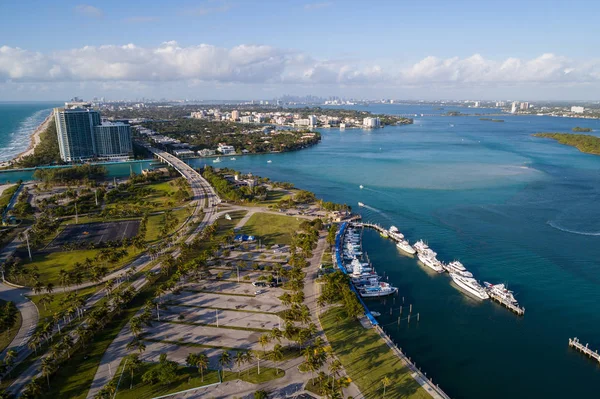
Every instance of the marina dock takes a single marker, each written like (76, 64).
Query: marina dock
(509, 305)
(574, 343)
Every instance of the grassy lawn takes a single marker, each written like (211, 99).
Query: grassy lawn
(367, 359)
(7, 336)
(57, 296)
(271, 229)
(224, 225)
(50, 264)
(155, 222)
(186, 378)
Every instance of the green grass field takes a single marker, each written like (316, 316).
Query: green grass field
(155, 221)
(49, 265)
(57, 296)
(271, 229)
(367, 359)
(7, 336)
(188, 378)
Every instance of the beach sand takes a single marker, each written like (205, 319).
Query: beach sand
(35, 139)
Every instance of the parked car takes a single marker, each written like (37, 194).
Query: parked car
(259, 284)
(259, 292)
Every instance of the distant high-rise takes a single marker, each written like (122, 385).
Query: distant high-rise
(513, 107)
(524, 106)
(82, 136)
(235, 114)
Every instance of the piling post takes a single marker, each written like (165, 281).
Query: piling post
(400, 310)
(417, 317)
(410, 311)
(409, 319)
(398, 320)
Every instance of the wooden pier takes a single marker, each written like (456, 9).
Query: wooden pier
(574, 343)
(383, 231)
(509, 305)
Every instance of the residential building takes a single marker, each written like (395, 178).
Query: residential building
(183, 153)
(312, 120)
(524, 106)
(206, 152)
(82, 135)
(577, 109)
(75, 130)
(235, 115)
(371, 123)
(113, 140)
(226, 149)
(477, 104)
(513, 108)
(247, 119)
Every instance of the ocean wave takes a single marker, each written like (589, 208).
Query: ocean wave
(20, 138)
(583, 233)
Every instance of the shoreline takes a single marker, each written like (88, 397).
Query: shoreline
(34, 141)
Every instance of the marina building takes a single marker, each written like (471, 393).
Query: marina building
(82, 135)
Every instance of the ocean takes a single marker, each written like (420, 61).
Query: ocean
(18, 121)
(513, 208)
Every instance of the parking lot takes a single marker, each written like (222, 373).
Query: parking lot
(95, 233)
(224, 318)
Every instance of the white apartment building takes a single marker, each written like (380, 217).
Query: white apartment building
(247, 119)
(371, 123)
(225, 149)
(577, 109)
(513, 108)
(312, 120)
(206, 152)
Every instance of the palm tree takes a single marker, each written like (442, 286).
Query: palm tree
(264, 340)
(32, 390)
(386, 383)
(49, 288)
(248, 356)
(224, 361)
(136, 344)
(262, 394)
(202, 363)
(47, 368)
(258, 355)
(276, 334)
(38, 287)
(276, 355)
(133, 364)
(64, 278)
(135, 326)
(240, 359)
(191, 360)
(10, 357)
(46, 300)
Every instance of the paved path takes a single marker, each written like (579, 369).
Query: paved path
(29, 314)
(311, 294)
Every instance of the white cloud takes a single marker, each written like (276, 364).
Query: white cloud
(89, 10)
(258, 64)
(316, 6)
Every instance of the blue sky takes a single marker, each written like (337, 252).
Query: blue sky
(261, 49)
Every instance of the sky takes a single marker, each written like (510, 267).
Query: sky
(221, 49)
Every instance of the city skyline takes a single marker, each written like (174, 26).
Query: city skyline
(222, 50)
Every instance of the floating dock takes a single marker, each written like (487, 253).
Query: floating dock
(509, 305)
(574, 343)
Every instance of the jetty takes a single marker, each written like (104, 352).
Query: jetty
(515, 308)
(574, 343)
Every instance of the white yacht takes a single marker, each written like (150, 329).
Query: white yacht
(232, 159)
(455, 267)
(361, 186)
(217, 160)
(500, 291)
(420, 246)
(381, 289)
(395, 233)
(269, 161)
(404, 245)
(361, 204)
(428, 258)
(469, 285)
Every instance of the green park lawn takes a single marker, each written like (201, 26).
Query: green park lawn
(155, 222)
(7, 336)
(187, 378)
(57, 296)
(367, 359)
(271, 229)
(50, 264)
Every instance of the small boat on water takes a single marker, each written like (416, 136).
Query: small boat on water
(376, 314)
(361, 186)
(361, 204)
(269, 161)
(217, 160)
(232, 159)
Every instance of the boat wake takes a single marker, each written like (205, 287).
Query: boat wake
(583, 233)
(379, 211)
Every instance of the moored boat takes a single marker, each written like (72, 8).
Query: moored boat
(469, 285)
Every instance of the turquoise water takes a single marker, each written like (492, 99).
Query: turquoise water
(17, 122)
(513, 208)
